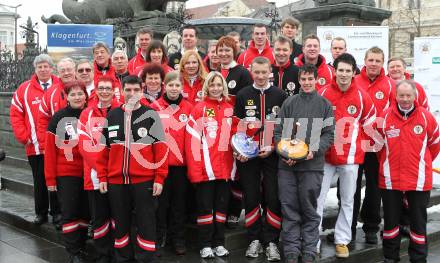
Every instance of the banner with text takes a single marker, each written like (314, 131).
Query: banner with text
(76, 40)
(358, 38)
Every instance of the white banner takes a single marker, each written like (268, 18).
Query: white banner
(426, 72)
(358, 38)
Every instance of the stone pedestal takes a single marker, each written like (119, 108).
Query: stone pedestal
(340, 13)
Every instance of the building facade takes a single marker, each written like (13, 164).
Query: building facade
(7, 29)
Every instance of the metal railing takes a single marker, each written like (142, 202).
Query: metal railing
(14, 71)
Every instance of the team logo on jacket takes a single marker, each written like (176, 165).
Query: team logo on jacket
(250, 113)
(232, 84)
(295, 60)
(379, 95)
(210, 112)
(392, 132)
(142, 132)
(275, 110)
(418, 129)
(250, 102)
(351, 109)
(183, 117)
(199, 94)
(321, 81)
(290, 86)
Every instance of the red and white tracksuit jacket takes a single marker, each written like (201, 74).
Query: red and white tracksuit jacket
(62, 157)
(353, 110)
(207, 141)
(246, 57)
(174, 119)
(53, 100)
(110, 72)
(135, 63)
(325, 72)
(193, 93)
(135, 149)
(24, 114)
(410, 146)
(91, 122)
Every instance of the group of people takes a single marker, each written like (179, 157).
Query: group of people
(147, 142)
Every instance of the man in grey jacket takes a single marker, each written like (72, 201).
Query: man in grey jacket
(300, 182)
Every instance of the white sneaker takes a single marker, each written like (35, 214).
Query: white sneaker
(221, 251)
(272, 252)
(207, 252)
(254, 249)
(318, 247)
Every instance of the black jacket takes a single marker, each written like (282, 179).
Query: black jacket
(286, 78)
(297, 50)
(238, 78)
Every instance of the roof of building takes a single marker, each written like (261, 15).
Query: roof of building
(206, 11)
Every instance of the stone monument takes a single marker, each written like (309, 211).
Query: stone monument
(340, 13)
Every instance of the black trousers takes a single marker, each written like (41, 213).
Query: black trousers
(74, 212)
(101, 223)
(259, 182)
(172, 206)
(236, 199)
(212, 203)
(392, 208)
(42, 197)
(370, 211)
(123, 198)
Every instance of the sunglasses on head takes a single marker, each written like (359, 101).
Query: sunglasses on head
(81, 70)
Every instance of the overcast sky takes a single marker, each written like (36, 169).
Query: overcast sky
(36, 8)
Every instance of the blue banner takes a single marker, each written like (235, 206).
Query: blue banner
(71, 35)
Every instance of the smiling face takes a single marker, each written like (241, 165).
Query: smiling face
(405, 96)
(66, 71)
(259, 36)
(84, 72)
(215, 88)
(173, 89)
(373, 64)
(43, 71)
(156, 55)
(101, 56)
(282, 52)
(344, 75)
(338, 48)
(144, 40)
(76, 98)
(105, 92)
(260, 74)
(396, 70)
(189, 39)
(191, 66)
(311, 49)
(225, 54)
(120, 62)
(153, 83)
(212, 54)
(307, 82)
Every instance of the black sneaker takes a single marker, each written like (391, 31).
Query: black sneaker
(371, 238)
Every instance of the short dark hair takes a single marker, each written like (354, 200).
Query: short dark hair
(131, 79)
(233, 34)
(311, 36)
(291, 21)
(345, 58)
(397, 59)
(152, 68)
(261, 60)
(308, 68)
(190, 27)
(283, 40)
(154, 45)
(259, 25)
(145, 30)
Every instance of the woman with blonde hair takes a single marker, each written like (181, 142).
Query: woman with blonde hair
(210, 162)
(193, 74)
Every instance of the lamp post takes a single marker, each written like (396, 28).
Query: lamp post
(16, 18)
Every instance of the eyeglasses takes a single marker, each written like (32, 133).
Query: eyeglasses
(105, 89)
(81, 70)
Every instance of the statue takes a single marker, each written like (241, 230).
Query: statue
(103, 11)
(172, 42)
(120, 44)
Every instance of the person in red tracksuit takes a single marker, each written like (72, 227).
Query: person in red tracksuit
(132, 166)
(92, 121)
(193, 75)
(411, 142)
(311, 55)
(54, 98)
(381, 89)
(152, 76)
(102, 62)
(210, 162)
(174, 111)
(24, 116)
(259, 47)
(64, 169)
(397, 71)
(143, 37)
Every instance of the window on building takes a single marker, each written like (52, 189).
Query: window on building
(3, 39)
(414, 4)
